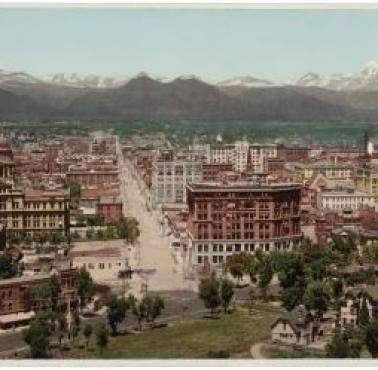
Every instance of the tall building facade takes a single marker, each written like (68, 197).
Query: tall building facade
(170, 177)
(29, 210)
(228, 218)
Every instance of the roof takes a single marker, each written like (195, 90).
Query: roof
(102, 253)
(242, 186)
(23, 279)
(46, 194)
(296, 318)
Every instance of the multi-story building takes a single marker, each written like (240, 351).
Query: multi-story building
(332, 171)
(259, 154)
(235, 217)
(30, 210)
(341, 200)
(16, 308)
(221, 153)
(367, 180)
(88, 177)
(170, 177)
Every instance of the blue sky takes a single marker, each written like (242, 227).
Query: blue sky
(213, 44)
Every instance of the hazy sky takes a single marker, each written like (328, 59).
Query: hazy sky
(215, 44)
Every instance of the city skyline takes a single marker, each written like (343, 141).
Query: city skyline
(279, 45)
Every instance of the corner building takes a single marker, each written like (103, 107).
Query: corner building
(229, 218)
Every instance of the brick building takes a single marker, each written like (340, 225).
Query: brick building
(109, 208)
(15, 305)
(92, 177)
(235, 217)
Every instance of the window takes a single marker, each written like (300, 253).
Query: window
(229, 248)
(199, 259)
(215, 259)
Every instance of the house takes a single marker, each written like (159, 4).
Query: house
(297, 327)
(351, 304)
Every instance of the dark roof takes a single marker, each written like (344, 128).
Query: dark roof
(296, 318)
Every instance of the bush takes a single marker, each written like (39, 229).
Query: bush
(218, 354)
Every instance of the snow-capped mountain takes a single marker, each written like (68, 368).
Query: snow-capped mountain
(21, 77)
(86, 81)
(246, 81)
(366, 79)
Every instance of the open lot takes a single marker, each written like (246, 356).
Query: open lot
(189, 338)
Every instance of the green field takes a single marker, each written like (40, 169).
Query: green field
(188, 338)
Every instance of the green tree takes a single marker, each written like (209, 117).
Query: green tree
(226, 293)
(337, 288)
(122, 228)
(340, 347)
(45, 295)
(117, 308)
(8, 268)
(138, 309)
(84, 285)
(208, 292)
(154, 306)
(102, 336)
(74, 194)
(291, 297)
(371, 338)
(364, 317)
(75, 326)
(265, 272)
(88, 329)
(56, 238)
(37, 337)
(239, 264)
(90, 233)
(316, 297)
(133, 231)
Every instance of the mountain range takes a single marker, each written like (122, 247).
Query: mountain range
(313, 97)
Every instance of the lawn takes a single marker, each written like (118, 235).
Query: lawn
(188, 338)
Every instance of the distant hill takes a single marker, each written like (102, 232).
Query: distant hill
(19, 107)
(23, 97)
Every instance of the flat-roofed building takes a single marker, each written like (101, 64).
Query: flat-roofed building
(170, 177)
(341, 200)
(228, 218)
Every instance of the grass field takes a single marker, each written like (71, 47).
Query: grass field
(188, 338)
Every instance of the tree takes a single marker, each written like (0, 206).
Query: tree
(74, 194)
(340, 347)
(84, 285)
(62, 327)
(208, 291)
(337, 288)
(117, 308)
(364, 316)
(316, 297)
(291, 297)
(8, 268)
(75, 326)
(265, 272)
(154, 306)
(102, 336)
(138, 309)
(226, 293)
(88, 329)
(37, 337)
(45, 295)
(122, 228)
(133, 231)
(371, 338)
(239, 264)
(56, 238)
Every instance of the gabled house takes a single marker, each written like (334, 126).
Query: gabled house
(299, 326)
(351, 304)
